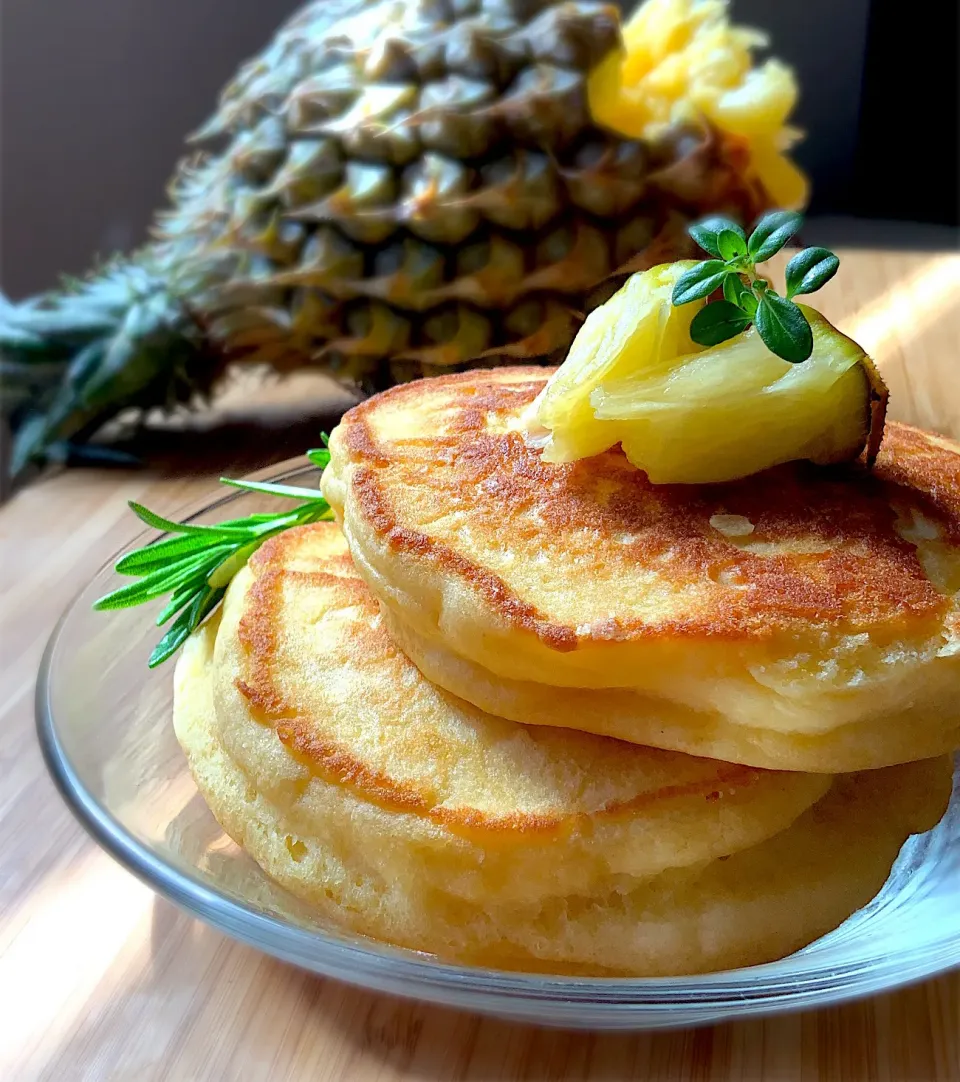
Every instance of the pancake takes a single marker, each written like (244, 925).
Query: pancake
(403, 813)
(804, 618)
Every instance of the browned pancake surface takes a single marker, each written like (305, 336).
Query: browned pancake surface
(592, 552)
(318, 666)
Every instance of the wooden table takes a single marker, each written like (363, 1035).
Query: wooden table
(152, 994)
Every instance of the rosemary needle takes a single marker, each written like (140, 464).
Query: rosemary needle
(197, 563)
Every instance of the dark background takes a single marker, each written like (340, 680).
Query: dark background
(97, 95)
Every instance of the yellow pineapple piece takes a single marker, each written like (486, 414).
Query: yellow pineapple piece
(784, 182)
(736, 408)
(635, 328)
(759, 105)
(682, 59)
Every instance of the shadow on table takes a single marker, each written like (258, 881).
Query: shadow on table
(253, 424)
(236, 444)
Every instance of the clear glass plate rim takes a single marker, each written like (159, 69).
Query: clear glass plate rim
(423, 977)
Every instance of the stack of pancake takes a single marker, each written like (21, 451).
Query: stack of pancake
(556, 718)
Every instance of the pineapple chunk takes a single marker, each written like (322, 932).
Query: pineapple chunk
(784, 182)
(682, 59)
(735, 409)
(632, 330)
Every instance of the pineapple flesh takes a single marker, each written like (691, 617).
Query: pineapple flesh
(682, 59)
(638, 325)
(688, 415)
(396, 189)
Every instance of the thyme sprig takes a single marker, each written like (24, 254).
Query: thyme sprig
(749, 297)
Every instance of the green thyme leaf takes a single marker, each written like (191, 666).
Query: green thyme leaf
(700, 281)
(717, 322)
(732, 245)
(707, 232)
(748, 296)
(749, 303)
(771, 233)
(734, 290)
(809, 270)
(783, 328)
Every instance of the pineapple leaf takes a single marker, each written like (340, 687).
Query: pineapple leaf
(72, 360)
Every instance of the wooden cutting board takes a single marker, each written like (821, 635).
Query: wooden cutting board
(101, 980)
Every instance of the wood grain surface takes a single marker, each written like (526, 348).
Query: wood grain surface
(136, 990)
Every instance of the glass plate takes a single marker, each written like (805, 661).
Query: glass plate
(104, 725)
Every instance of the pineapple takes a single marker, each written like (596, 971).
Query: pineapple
(395, 189)
(683, 59)
(637, 328)
(736, 408)
(688, 415)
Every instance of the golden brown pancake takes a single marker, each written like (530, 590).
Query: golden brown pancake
(803, 618)
(406, 814)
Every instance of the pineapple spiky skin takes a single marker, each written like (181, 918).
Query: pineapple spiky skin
(390, 190)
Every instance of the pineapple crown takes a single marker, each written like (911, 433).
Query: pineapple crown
(66, 357)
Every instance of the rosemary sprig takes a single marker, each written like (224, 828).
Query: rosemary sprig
(196, 565)
(747, 296)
